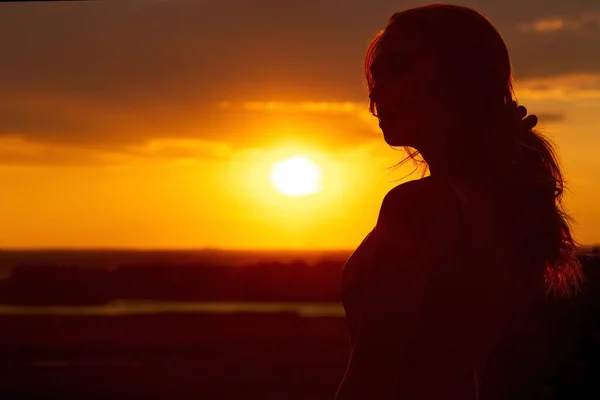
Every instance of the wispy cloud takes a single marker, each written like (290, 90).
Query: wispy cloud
(62, 134)
(308, 106)
(563, 87)
(16, 150)
(551, 116)
(354, 108)
(587, 19)
(181, 149)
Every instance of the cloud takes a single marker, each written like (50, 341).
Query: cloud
(589, 19)
(562, 87)
(15, 150)
(547, 25)
(93, 135)
(302, 106)
(71, 122)
(181, 149)
(551, 117)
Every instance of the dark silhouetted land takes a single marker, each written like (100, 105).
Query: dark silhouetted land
(183, 325)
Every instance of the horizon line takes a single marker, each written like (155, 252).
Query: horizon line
(204, 249)
(170, 249)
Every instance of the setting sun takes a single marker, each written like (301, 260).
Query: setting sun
(296, 176)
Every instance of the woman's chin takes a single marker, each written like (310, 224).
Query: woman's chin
(394, 135)
(394, 143)
(393, 139)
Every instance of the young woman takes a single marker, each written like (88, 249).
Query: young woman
(458, 260)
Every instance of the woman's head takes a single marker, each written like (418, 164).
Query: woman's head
(439, 76)
(440, 81)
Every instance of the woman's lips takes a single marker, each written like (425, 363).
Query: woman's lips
(385, 117)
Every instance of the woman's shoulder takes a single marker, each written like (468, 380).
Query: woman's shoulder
(422, 213)
(418, 201)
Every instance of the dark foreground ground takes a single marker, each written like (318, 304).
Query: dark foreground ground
(188, 354)
(171, 356)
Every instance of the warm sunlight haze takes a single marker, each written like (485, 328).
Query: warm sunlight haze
(182, 125)
(200, 199)
(296, 176)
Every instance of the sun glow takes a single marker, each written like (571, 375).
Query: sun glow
(296, 176)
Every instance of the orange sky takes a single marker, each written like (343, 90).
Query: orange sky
(154, 124)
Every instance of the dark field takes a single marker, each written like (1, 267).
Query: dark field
(179, 356)
(197, 329)
(161, 344)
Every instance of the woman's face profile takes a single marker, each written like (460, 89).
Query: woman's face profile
(405, 95)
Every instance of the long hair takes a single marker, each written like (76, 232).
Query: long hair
(475, 69)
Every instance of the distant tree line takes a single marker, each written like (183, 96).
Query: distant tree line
(45, 284)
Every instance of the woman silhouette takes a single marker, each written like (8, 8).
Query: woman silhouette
(438, 290)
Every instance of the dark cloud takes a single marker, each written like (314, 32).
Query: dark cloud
(94, 132)
(115, 74)
(551, 117)
(113, 126)
(30, 153)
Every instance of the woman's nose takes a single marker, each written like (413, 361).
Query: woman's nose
(373, 95)
(376, 95)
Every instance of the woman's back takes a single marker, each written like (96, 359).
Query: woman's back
(482, 299)
(521, 333)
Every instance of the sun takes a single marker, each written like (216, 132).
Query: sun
(296, 176)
